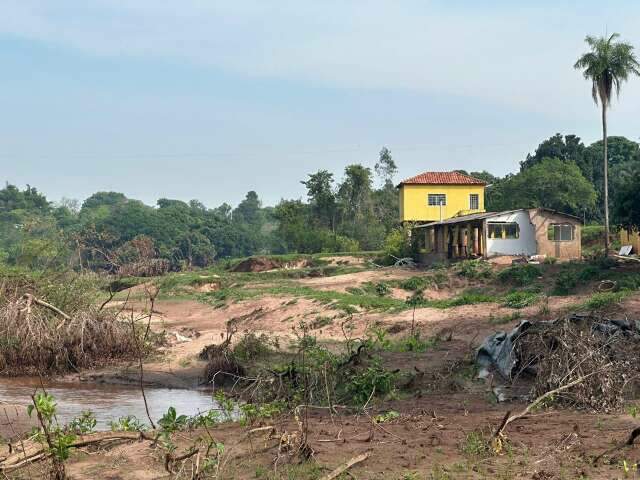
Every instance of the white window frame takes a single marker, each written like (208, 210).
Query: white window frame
(557, 229)
(502, 224)
(436, 199)
(472, 197)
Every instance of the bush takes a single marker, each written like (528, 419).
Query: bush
(565, 282)
(520, 299)
(417, 283)
(601, 300)
(474, 269)
(592, 234)
(521, 274)
(374, 379)
(397, 243)
(252, 346)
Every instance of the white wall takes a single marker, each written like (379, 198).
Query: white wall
(525, 245)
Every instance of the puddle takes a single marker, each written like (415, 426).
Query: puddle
(107, 402)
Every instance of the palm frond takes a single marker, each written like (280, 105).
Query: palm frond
(608, 65)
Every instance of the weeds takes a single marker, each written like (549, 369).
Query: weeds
(603, 300)
(474, 269)
(520, 299)
(520, 274)
(476, 444)
(128, 423)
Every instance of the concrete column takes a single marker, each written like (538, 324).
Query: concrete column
(446, 235)
(467, 240)
(475, 241)
(456, 242)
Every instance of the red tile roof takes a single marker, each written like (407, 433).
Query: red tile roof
(442, 178)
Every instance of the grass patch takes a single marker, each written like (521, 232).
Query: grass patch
(602, 300)
(520, 274)
(520, 299)
(468, 297)
(504, 318)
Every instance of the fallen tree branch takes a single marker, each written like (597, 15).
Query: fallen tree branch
(31, 299)
(508, 419)
(34, 451)
(346, 466)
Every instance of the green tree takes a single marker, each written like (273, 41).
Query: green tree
(322, 198)
(626, 207)
(550, 183)
(607, 65)
(568, 148)
(249, 210)
(355, 196)
(385, 167)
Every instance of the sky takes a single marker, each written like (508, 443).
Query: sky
(208, 99)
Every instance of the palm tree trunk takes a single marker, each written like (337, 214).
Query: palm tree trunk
(606, 180)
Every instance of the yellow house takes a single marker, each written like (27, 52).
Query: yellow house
(435, 196)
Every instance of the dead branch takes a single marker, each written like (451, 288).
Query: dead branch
(507, 420)
(111, 295)
(31, 299)
(33, 451)
(346, 466)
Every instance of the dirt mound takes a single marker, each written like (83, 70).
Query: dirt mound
(263, 264)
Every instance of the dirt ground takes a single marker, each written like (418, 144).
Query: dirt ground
(435, 437)
(178, 364)
(442, 432)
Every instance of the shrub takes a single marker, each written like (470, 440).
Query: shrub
(565, 282)
(252, 346)
(520, 299)
(602, 300)
(474, 269)
(521, 274)
(374, 379)
(592, 234)
(397, 243)
(589, 272)
(417, 283)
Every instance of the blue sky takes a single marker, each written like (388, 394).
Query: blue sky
(207, 100)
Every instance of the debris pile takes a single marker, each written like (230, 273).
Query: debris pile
(600, 354)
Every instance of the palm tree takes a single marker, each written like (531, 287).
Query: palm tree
(607, 65)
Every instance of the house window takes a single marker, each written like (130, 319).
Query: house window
(561, 232)
(435, 199)
(503, 230)
(474, 201)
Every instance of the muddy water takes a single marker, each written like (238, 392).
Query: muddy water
(107, 402)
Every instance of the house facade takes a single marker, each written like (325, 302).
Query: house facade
(435, 196)
(523, 232)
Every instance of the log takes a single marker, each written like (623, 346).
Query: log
(34, 451)
(346, 466)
